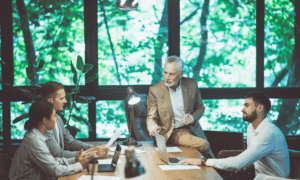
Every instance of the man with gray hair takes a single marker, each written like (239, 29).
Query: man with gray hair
(175, 107)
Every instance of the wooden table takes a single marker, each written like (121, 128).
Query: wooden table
(150, 160)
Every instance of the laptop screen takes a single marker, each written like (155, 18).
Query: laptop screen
(161, 146)
(116, 155)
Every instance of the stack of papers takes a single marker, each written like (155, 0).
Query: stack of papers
(88, 177)
(176, 167)
(172, 149)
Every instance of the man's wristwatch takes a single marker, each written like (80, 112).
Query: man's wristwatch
(203, 161)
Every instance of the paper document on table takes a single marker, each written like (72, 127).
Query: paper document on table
(113, 138)
(88, 177)
(172, 149)
(107, 161)
(176, 167)
(124, 149)
(121, 155)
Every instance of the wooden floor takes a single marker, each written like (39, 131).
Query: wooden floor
(150, 160)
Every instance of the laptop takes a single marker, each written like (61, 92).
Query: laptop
(111, 167)
(162, 150)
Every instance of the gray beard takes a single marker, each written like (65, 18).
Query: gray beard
(172, 83)
(251, 117)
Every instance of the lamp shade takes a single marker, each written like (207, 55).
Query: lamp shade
(133, 98)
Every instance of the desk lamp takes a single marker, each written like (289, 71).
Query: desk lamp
(132, 99)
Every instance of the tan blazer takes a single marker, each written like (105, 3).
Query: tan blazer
(160, 112)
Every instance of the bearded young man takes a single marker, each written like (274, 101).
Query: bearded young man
(61, 143)
(175, 107)
(266, 145)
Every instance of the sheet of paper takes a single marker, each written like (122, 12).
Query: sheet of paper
(121, 155)
(172, 149)
(123, 149)
(176, 167)
(113, 138)
(107, 161)
(88, 177)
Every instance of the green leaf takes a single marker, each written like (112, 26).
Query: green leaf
(75, 73)
(79, 64)
(81, 99)
(29, 94)
(69, 100)
(40, 66)
(75, 106)
(27, 102)
(73, 130)
(2, 82)
(82, 120)
(30, 73)
(87, 68)
(92, 78)
(86, 99)
(20, 118)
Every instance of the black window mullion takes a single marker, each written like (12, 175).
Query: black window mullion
(260, 22)
(8, 67)
(174, 27)
(91, 56)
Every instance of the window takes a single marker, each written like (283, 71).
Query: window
(218, 42)
(279, 43)
(17, 109)
(110, 115)
(53, 32)
(132, 44)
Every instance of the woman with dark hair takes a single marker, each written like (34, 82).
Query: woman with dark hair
(33, 159)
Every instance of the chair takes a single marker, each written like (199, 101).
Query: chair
(5, 163)
(224, 141)
(294, 165)
(136, 115)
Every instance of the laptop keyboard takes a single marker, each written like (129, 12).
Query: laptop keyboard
(105, 167)
(173, 160)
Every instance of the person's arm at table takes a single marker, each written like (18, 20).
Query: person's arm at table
(261, 147)
(51, 166)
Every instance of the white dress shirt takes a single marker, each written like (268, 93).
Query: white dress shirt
(33, 160)
(267, 150)
(177, 105)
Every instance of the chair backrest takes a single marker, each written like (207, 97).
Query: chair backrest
(5, 163)
(136, 116)
(294, 164)
(224, 141)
